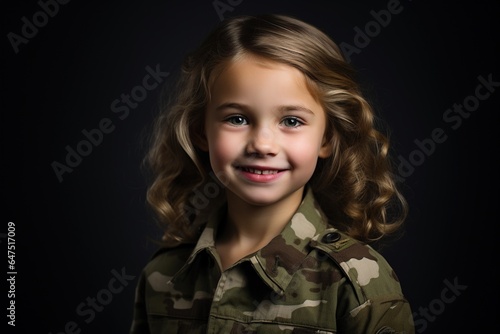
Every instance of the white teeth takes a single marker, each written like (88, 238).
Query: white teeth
(259, 171)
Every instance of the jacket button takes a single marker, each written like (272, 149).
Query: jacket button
(331, 237)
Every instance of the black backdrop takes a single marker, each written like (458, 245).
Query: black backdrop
(85, 236)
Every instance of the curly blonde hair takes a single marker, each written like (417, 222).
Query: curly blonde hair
(354, 186)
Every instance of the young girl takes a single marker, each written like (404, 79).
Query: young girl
(271, 180)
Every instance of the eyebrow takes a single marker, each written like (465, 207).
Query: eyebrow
(295, 108)
(281, 109)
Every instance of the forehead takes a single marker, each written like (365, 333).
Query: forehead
(249, 74)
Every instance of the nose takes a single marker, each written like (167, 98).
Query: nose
(262, 142)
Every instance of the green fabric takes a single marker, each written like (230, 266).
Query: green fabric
(309, 279)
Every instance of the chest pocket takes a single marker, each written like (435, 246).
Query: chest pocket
(167, 325)
(170, 313)
(272, 329)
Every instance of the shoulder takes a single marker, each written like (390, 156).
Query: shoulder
(367, 270)
(168, 261)
(370, 298)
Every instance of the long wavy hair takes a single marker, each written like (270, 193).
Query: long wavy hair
(354, 187)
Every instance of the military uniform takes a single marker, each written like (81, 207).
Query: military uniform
(309, 279)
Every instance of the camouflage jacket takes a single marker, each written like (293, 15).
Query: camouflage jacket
(309, 279)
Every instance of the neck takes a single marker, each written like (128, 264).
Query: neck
(253, 226)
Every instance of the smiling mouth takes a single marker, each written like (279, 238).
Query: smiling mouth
(259, 171)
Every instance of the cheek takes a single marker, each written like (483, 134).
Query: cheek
(305, 159)
(222, 150)
(305, 151)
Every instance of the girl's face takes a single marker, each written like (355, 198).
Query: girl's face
(264, 130)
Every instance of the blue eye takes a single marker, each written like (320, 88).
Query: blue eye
(237, 120)
(291, 122)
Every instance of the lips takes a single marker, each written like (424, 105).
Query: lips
(258, 171)
(260, 174)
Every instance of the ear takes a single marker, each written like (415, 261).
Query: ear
(325, 150)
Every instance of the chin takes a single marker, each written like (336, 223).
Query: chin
(263, 197)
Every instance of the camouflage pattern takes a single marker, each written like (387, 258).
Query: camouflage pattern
(309, 279)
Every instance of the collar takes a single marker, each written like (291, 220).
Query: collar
(276, 262)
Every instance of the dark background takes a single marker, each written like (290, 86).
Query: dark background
(71, 235)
